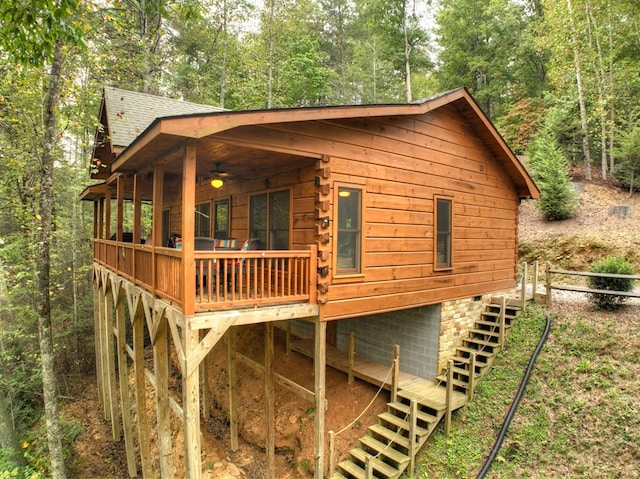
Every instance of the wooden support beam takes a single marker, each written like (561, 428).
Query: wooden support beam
(413, 444)
(123, 376)
(97, 322)
(137, 315)
(233, 388)
(187, 269)
(204, 386)
(161, 372)
(395, 379)
(320, 368)
(449, 397)
(191, 407)
(472, 376)
(269, 401)
(109, 360)
(351, 356)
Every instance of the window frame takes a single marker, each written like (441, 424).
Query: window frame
(268, 220)
(200, 219)
(214, 223)
(357, 273)
(448, 265)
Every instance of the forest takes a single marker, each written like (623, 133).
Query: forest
(553, 75)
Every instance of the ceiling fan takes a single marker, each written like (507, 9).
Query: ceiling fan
(217, 176)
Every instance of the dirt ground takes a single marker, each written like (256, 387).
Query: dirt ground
(97, 456)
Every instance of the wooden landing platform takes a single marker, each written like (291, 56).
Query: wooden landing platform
(412, 387)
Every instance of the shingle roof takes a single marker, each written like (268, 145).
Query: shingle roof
(130, 113)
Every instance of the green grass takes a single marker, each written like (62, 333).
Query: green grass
(579, 416)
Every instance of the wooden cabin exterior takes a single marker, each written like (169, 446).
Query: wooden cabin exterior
(352, 211)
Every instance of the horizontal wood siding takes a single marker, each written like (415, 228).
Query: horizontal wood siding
(405, 162)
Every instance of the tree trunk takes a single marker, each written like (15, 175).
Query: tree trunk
(602, 89)
(407, 54)
(581, 99)
(43, 260)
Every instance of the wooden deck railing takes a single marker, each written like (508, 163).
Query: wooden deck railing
(223, 279)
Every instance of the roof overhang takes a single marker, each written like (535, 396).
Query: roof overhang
(165, 137)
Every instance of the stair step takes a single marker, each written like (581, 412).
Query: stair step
(480, 364)
(422, 415)
(385, 449)
(485, 332)
(401, 423)
(338, 475)
(481, 342)
(490, 324)
(496, 315)
(456, 382)
(479, 354)
(464, 372)
(361, 455)
(390, 435)
(352, 469)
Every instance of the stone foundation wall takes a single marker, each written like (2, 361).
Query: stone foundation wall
(456, 319)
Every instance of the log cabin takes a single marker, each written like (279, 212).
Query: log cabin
(390, 223)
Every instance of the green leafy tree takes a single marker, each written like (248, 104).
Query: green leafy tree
(484, 50)
(550, 170)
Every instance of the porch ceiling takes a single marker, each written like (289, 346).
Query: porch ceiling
(211, 152)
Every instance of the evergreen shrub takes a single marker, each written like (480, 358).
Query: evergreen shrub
(610, 265)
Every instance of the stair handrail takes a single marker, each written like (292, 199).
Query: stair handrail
(332, 434)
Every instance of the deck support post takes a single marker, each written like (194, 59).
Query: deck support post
(396, 373)
(233, 387)
(269, 398)
(352, 356)
(123, 377)
(449, 397)
(104, 355)
(137, 322)
(97, 322)
(163, 409)
(191, 404)
(111, 388)
(320, 367)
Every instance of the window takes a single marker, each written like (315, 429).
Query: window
(166, 217)
(349, 231)
(203, 219)
(269, 219)
(443, 222)
(221, 219)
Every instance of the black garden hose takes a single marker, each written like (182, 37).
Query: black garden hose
(516, 401)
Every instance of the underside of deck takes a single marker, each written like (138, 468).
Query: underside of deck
(424, 390)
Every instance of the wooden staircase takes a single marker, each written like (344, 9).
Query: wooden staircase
(391, 445)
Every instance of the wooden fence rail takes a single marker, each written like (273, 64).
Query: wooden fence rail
(582, 289)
